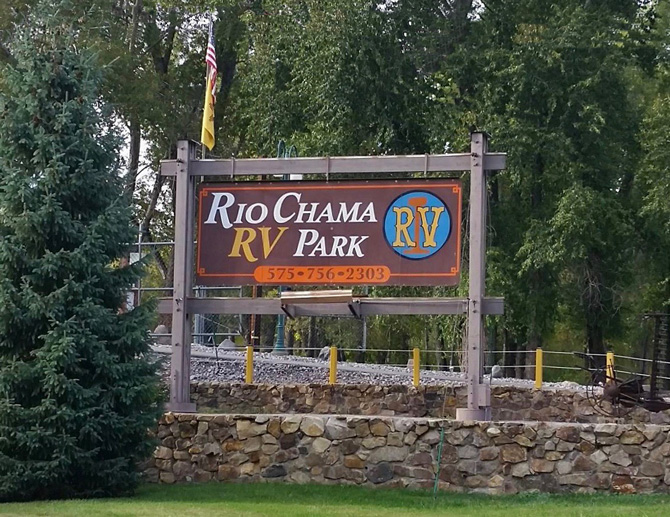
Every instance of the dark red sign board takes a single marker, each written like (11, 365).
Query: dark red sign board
(404, 232)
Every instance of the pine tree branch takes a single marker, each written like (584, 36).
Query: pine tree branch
(5, 55)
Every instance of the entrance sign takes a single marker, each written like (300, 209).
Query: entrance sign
(398, 228)
(404, 232)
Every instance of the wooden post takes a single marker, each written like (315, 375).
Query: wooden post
(479, 394)
(538, 368)
(180, 368)
(416, 358)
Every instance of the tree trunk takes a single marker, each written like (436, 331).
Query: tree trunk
(134, 24)
(536, 284)
(133, 157)
(460, 24)
(311, 337)
(362, 349)
(290, 340)
(440, 344)
(594, 339)
(534, 342)
(520, 362)
(594, 306)
(534, 336)
(509, 358)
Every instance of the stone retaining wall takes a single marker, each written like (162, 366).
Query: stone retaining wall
(402, 452)
(508, 403)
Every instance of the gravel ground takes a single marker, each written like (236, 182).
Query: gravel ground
(273, 369)
(287, 373)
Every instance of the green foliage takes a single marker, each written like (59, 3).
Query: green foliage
(77, 391)
(558, 84)
(575, 92)
(331, 77)
(550, 81)
(653, 185)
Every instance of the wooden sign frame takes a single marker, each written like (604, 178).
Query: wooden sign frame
(186, 169)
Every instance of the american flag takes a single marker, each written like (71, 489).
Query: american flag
(210, 59)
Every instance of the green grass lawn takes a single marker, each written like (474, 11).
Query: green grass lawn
(279, 500)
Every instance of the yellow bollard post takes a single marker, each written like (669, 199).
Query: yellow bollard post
(249, 366)
(416, 365)
(538, 368)
(609, 368)
(332, 378)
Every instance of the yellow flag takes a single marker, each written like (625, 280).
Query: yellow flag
(207, 135)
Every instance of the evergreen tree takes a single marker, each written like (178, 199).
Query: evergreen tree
(77, 391)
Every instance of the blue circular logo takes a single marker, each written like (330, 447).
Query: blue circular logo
(417, 224)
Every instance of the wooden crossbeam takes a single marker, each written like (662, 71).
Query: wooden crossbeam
(363, 306)
(333, 165)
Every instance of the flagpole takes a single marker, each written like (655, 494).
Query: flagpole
(199, 321)
(207, 138)
(203, 148)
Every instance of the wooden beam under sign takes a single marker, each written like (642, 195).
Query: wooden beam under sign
(326, 296)
(366, 306)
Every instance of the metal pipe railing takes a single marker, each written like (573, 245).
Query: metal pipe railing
(413, 370)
